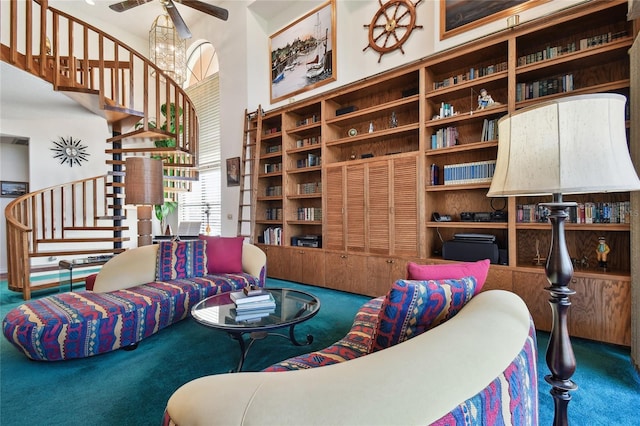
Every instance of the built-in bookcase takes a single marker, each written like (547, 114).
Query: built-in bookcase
(367, 165)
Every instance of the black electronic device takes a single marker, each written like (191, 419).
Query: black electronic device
(441, 218)
(312, 241)
(470, 251)
(477, 238)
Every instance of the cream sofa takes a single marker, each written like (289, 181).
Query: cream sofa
(480, 361)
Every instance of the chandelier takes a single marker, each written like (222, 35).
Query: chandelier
(166, 49)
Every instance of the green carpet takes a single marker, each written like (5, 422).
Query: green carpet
(131, 388)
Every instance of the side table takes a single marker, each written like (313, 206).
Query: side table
(69, 265)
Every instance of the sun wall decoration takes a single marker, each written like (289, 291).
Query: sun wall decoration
(70, 151)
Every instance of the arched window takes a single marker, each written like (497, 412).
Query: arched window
(202, 203)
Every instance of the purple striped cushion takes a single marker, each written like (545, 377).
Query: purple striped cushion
(181, 259)
(413, 307)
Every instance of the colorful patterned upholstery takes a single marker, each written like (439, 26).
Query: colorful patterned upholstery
(413, 307)
(82, 324)
(503, 402)
(356, 343)
(181, 259)
(511, 398)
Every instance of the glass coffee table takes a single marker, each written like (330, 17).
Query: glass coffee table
(292, 308)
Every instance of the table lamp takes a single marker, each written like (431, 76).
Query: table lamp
(571, 145)
(143, 186)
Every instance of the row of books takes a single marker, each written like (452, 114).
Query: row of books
(471, 74)
(273, 167)
(309, 188)
(489, 130)
(273, 191)
(273, 235)
(588, 212)
(252, 304)
(272, 130)
(274, 148)
(535, 89)
(549, 52)
(465, 173)
(312, 160)
(304, 121)
(444, 138)
(274, 213)
(309, 213)
(313, 140)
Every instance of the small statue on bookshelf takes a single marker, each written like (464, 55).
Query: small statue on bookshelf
(484, 99)
(394, 120)
(602, 250)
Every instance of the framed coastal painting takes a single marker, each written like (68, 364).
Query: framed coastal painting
(458, 16)
(12, 189)
(302, 56)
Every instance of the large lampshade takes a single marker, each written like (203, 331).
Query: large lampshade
(143, 186)
(575, 144)
(570, 145)
(143, 181)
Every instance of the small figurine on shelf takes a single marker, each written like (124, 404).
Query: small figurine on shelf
(394, 120)
(484, 99)
(602, 250)
(371, 127)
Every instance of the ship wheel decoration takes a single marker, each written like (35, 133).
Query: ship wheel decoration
(70, 151)
(392, 25)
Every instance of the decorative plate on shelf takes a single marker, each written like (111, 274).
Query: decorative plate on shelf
(353, 132)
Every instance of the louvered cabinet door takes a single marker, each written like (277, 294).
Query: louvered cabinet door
(404, 218)
(334, 233)
(378, 207)
(356, 209)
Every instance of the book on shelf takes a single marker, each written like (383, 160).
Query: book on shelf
(240, 298)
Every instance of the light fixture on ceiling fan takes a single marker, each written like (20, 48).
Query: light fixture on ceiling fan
(172, 11)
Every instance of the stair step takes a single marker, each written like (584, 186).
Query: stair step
(96, 228)
(115, 196)
(82, 240)
(155, 150)
(115, 184)
(126, 117)
(75, 252)
(111, 217)
(153, 134)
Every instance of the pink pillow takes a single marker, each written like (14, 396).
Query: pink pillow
(224, 254)
(450, 271)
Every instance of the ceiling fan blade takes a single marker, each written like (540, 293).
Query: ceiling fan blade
(209, 9)
(178, 22)
(127, 4)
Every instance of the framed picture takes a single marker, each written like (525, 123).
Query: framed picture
(458, 16)
(233, 171)
(13, 189)
(303, 54)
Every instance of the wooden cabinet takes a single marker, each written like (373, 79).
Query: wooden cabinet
(346, 272)
(382, 272)
(276, 261)
(305, 265)
(384, 154)
(375, 209)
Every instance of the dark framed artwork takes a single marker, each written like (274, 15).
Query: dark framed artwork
(233, 171)
(458, 16)
(302, 56)
(13, 189)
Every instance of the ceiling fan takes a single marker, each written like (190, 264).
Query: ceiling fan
(172, 11)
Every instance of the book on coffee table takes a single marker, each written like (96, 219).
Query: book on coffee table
(240, 298)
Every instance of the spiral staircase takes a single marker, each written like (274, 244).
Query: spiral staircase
(85, 217)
